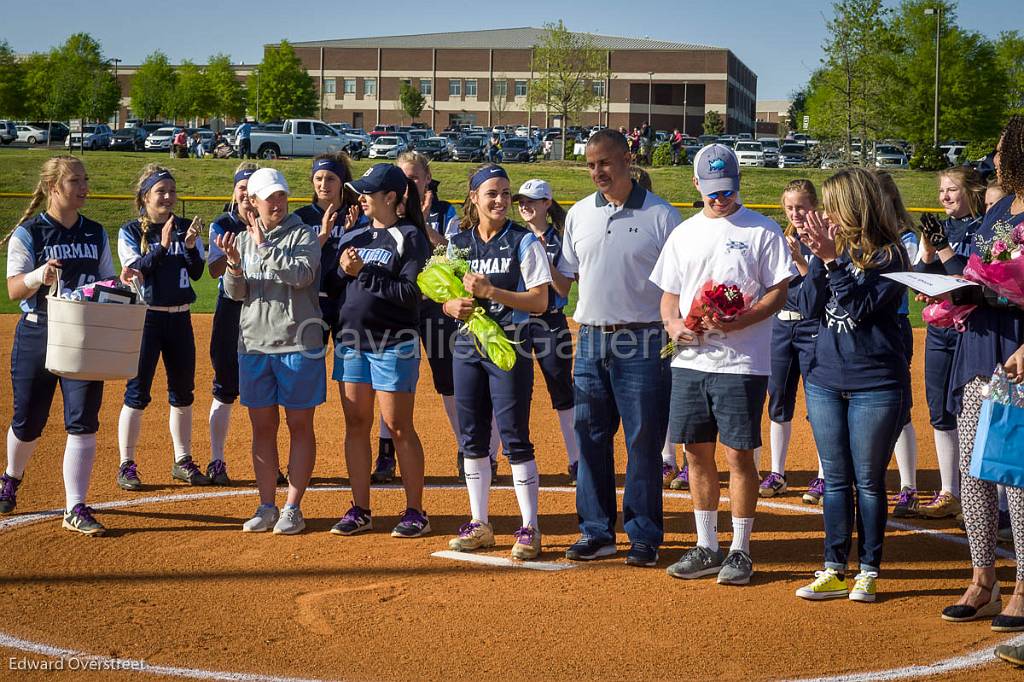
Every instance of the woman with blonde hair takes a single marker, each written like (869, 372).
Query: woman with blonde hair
(858, 382)
(58, 246)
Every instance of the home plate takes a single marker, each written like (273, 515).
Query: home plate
(504, 563)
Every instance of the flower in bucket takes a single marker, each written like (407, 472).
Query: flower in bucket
(716, 301)
(441, 281)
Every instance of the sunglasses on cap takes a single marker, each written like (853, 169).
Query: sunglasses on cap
(724, 194)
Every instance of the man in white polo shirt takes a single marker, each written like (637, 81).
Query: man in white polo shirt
(612, 241)
(720, 377)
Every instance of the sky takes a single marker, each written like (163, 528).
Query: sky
(780, 41)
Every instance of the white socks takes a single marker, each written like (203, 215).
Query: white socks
(18, 454)
(128, 426)
(478, 484)
(741, 534)
(707, 529)
(567, 424)
(453, 415)
(526, 483)
(947, 450)
(779, 436)
(668, 453)
(906, 456)
(79, 454)
(180, 423)
(220, 420)
(385, 432)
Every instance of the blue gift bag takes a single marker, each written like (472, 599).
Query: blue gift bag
(998, 454)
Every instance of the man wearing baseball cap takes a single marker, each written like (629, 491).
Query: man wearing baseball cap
(720, 372)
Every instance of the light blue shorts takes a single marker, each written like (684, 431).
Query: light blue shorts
(393, 370)
(291, 380)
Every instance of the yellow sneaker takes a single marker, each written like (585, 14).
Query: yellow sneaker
(864, 586)
(826, 585)
(472, 535)
(527, 545)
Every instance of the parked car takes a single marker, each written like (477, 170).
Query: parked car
(517, 149)
(470, 148)
(8, 132)
(728, 140)
(833, 161)
(387, 147)
(705, 140)
(522, 131)
(57, 131)
(382, 128)
(207, 137)
(890, 156)
(151, 128)
(31, 134)
(417, 135)
(434, 148)
(298, 137)
(132, 139)
(93, 136)
(770, 147)
(953, 152)
(749, 153)
(160, 139)
(793, 155)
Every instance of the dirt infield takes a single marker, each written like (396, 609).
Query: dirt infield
(174, 582)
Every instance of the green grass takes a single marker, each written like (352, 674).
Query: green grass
(117, 172)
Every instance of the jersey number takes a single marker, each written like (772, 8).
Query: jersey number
(85, 279)
(183, 279)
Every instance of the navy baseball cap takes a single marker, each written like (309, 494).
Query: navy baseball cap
(384, 177)
(716, 169)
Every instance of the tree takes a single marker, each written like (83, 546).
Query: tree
(70, 81)
(228, 93)
(1010, 57)
(193, 96)
(411, 99)
(12, 83)
(564, 65)
(797, 109)
(153, 88)
(713, 123)
(286, 89)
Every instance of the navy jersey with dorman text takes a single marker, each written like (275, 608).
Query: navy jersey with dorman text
(312, 215)
(553, 247)
(167, 273)
(513, 260)
(82, 249)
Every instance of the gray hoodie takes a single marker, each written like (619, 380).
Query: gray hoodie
(279, 289)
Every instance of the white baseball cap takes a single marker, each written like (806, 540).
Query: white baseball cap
(266, 181)
(533, 189)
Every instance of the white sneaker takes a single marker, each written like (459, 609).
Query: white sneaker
(262, 521)
(290, 523)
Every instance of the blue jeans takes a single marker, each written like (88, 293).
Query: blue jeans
(855, 432)
(621, 376)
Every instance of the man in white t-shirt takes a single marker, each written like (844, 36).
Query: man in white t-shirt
(720, 376)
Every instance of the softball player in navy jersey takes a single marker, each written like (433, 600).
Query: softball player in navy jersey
(962, 194)
(168, 252)
(378, 348)
(792, 347)
(509, 278)
(58, 242)
(548, 333)
(224, 335)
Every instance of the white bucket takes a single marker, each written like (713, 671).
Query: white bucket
(93, 341)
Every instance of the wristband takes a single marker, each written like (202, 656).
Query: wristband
(35, 279)
(234, 266)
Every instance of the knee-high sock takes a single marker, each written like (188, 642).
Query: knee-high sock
(220, 421)
(527, 483)
(478, 484)
(668, 453)
(906, 456)
(128, 426)
(779, 434)
(453, 416)
(492, 450)
(385, 432)
(79, 455)
(18, 454)
(565, 423)
(180, 422)
(947, 450)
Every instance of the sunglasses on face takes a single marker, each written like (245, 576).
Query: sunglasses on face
(724, 194)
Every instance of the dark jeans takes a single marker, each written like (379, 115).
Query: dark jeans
(855, 432)
(621, 376)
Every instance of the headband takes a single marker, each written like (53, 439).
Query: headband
(243, 174)
(327, 164)
(485, 174)
(153, 179)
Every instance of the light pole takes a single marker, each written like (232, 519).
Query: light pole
(117, 113)
(937, 11)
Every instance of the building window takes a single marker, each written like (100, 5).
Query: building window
(329, 86)
(520, 88)
(455, 88)
(369, 87)
(598, 87)
(501, 89)
(426, 87)
(349, 85)
(470, 87)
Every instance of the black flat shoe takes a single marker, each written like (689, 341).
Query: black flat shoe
(1003, 623)
(964, 613)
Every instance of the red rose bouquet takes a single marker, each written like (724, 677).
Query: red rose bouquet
(715, 301)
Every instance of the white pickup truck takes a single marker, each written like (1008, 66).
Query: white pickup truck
(298, 137)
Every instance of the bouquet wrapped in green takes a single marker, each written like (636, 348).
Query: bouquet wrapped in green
(441, 281)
